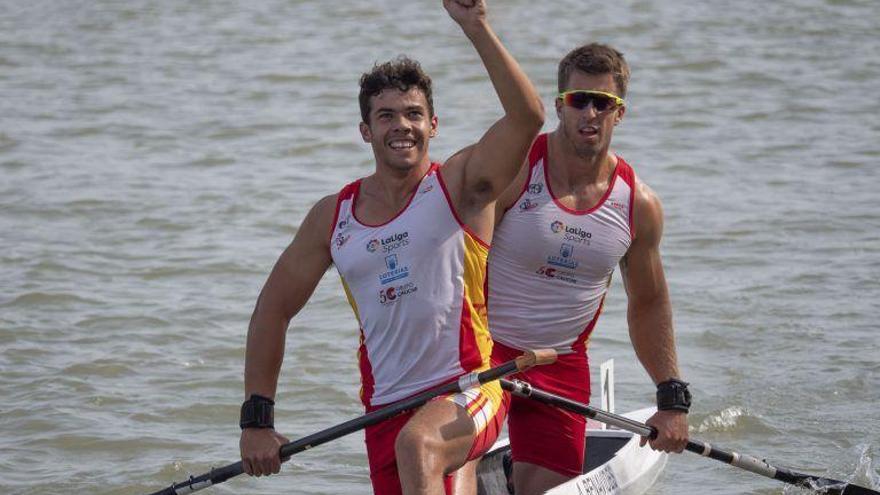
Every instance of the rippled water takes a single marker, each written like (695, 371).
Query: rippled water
(156, 157)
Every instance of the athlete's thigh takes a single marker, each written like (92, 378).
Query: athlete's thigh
(445, 428)
(380, 440)
(544, 435)
(464, 425)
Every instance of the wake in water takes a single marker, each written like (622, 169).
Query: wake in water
(865, 472)
(734, 419)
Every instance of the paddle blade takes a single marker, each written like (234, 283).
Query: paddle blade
(823, 485)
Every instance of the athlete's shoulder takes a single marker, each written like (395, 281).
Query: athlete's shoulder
(645, 194)
(647, 211)
(327, 203)
(321, 218)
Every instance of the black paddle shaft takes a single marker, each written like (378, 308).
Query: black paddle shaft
(222, 474)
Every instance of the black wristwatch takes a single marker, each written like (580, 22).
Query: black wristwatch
(673, 395)
(257, 412)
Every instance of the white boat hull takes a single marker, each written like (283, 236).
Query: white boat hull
(614, 465)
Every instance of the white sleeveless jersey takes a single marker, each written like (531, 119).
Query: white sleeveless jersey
(416, 284)
(550, 266)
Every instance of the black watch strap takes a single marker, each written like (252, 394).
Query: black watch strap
(673, 395)
(257, 412)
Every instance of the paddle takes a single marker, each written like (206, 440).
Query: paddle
(749, 463)
(215, 476)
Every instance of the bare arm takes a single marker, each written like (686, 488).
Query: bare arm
(512, 192)
(649, 313)
(485, 170)
(290, 284)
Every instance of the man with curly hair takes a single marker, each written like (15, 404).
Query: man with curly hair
(410, 242)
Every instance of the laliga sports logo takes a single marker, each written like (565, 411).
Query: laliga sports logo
(389, 243)
(575, 234)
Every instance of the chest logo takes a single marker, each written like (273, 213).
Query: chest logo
(340, 240)
(573, 234)
(389, 244)
(535, 188)
(527, 205)
(391, 295)
(564, 258)
(394, 270)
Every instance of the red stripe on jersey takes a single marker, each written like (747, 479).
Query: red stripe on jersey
(537, 152)
(409, 201)
(347, 192)
(367, 381)
(580, 344)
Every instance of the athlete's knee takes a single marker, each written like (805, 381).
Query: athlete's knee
(419, 446)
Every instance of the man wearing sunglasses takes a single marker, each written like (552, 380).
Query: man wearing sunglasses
(573, 213)
(410, 242)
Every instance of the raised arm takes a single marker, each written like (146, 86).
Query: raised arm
(290, 284)
(649, 312)
(486, 168)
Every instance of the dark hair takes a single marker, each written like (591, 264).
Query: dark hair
(595, 58)
(401, 73)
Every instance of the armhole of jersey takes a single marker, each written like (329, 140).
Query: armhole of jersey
(537, 152)
(628, 175)
(347, 192)
(464, 227)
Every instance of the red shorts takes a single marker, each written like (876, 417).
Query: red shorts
(541, 434)
(487, 407)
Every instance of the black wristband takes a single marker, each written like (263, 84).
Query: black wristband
(257, 412)
(673, 395)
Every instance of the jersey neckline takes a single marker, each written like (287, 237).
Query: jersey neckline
(357, 191)
(573, 211)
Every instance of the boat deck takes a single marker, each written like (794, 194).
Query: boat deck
(494, 469)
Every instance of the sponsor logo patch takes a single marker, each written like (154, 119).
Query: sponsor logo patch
(391, 295)
(527, 205)
(389, 243)
(564, 258)
(535, 188)
(394, 272)
(556, 274)
(340, 240)
(573, 234)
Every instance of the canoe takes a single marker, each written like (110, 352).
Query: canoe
(614, 464)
